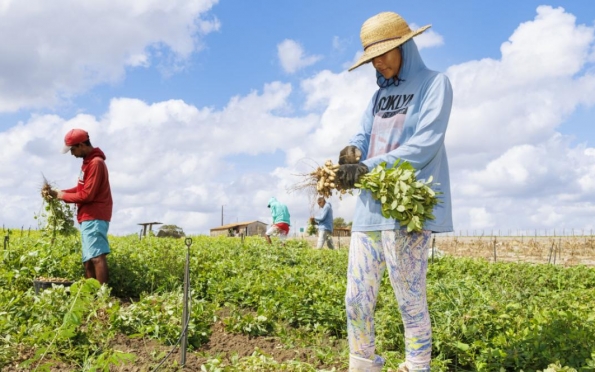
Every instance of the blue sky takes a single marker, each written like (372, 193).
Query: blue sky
(205, 103)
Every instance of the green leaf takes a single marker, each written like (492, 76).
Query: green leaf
(461, 346)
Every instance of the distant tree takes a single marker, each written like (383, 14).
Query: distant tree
(170, 231)
(339, 222)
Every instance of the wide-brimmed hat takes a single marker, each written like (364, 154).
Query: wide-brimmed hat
(74, 137)
(383, 32)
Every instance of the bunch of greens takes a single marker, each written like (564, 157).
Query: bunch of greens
(59, 217)
(312, 229)
(401, 195)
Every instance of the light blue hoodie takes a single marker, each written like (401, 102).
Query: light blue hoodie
(407, 122)
(325, 217)
(279, 211)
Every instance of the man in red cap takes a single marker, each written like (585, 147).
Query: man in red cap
(93, 199)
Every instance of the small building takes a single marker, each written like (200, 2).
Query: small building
(342, 231)
(249, 228)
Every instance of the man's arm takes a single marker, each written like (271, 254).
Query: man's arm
(94, 174)
(322, 214)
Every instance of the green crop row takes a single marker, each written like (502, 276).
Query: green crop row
(485, 316)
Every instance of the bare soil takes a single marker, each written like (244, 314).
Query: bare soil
(150, 353)
(222, 344)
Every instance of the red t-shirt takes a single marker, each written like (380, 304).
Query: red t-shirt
(92, 194)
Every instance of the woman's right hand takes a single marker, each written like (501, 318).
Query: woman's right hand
(350, 155)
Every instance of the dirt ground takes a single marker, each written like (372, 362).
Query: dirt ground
(149, 353)
(222, 344)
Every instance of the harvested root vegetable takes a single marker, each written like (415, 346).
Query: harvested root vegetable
(53, 280)
(401, 195)
(325, 177)
(46, 191)
(322, 181)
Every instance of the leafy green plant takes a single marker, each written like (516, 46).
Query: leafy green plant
(485, 316)
(401, 195)
(311, 229)
(58, 216)
(249, 324)
(160, 317)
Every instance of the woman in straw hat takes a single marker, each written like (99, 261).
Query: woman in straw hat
(406, 119)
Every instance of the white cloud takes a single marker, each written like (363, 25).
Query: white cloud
(428, 39)
(292, 56)
(480, 218)
(57, 49)
(170, 161)
(523, 97)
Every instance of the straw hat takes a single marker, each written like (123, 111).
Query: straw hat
(383, 32)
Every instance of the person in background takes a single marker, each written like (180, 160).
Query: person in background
(280, 226)
(406, 119)
(93, 198)
(324, 220)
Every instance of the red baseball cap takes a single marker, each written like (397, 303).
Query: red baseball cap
(74, 137)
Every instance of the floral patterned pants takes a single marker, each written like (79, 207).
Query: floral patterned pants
(405, 255)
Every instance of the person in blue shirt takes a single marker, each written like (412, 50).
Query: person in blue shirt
(406, 119)
(324, 220)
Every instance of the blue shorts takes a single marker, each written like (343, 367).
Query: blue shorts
(94, 235)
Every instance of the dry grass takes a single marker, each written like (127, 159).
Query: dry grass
(565, 251)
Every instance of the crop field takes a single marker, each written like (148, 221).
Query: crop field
(259, 307)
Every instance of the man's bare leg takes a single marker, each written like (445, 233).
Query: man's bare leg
(89, 269)
(100, 268)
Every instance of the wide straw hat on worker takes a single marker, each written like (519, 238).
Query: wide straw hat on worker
(383, 32)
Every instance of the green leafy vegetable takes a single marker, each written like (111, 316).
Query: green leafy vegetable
(401, 195)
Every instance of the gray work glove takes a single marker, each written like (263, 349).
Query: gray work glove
(350, 155)
(349, 174)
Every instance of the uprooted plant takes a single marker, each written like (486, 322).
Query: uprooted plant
(58, 216)
(401, 195)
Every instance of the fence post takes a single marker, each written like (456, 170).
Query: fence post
(433, 246)
(494, 249)
(549, 259)
(7, 243)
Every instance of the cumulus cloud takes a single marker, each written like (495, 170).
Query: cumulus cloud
(173, 162)
(58, 49)
(292, 56)
(166, 160)
(480, 218)
(428, 39)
